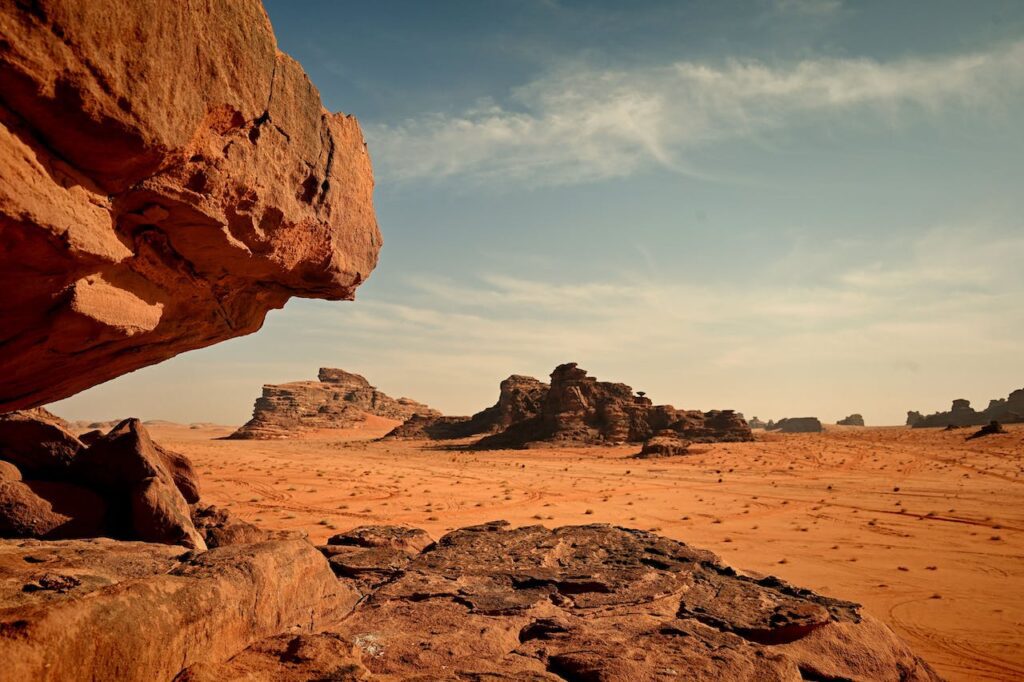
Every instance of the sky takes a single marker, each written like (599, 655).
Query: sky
(785, 207)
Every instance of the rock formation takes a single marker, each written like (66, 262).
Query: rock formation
(121, 485)
(575, 410)
(664, 444)
(797, 425)
(1009, 410)
(574, 603)
(756, 423)
(161, 194)
(853, 420)
(339, 400)
(989, 429)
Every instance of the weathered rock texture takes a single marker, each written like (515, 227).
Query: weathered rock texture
(576, 603)
(109, 610)
(665, 444)
(575, 410)
(853, 420)
(1009, 410)
(756, 423)
(796, 425)
(122, 484)
(167, 176)
(339, 400)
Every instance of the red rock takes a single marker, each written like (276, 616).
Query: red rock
(142, 612)
(9, 472)
(49, 509)
(143, 481)
(161, 194)
(37, 443)
(664, 445)
(581, 603)
(220, 529)
(339, 400)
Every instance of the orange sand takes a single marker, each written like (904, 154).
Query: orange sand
(922, 527)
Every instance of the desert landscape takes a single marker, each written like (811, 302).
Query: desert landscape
(922, 528)
(169, 176)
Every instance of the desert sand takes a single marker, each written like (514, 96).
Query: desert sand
(922, 527)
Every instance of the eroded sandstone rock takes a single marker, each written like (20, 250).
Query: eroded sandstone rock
(575, 409)
(579, 603)
(109, 610)
(665, 444)
(1009, 410)
(38, 443)
(339, 400)
(797, 425)
(852, 420)
(167, 176)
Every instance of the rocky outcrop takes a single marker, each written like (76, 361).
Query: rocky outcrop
(167, 176)
(797, 425)
(853, 420)
(122, 484)
(109, 610)
(756, 423)
(1009, 410)
(520, 398)
(339, 400)
(575, 409)
(581, 603)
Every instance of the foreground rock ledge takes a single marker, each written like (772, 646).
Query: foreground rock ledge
(483, 603)
(167, 176)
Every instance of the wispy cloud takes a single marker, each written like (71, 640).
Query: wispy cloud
(581, 124)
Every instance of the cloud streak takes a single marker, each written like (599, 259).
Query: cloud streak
(582, 124)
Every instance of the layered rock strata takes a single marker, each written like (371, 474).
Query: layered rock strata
(339, 400)
(852, 420)
(161, 194)
(575, 409)
(1009, 410)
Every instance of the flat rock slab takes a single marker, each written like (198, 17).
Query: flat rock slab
(578, 603)
(110, 610)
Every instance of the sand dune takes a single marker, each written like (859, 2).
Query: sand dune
(922, 527)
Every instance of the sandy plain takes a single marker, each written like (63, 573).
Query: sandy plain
(922, 527)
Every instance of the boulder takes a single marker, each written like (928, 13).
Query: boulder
(664, 445)
(139, 612)
(167, 177)
(37, 442)
(798, 425)
(338, 400)
(852, 420)
(220, 529)
(580, 603)
(148, 487)
(50, 510)
(989, 429)
(412, 541)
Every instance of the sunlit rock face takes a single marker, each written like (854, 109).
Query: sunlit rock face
(167, 176)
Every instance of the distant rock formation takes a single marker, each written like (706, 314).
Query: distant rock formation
(853, 420)
(756, 423)
(990, 429)
(339, 400)
(1009, 410)
(575, 410)
(167, 176)
(797, 425)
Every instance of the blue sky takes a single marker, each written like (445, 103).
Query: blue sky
(788, 207)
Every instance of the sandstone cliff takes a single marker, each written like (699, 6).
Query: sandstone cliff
(339, 400)
(161, 193)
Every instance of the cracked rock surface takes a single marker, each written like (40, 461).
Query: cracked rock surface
(167, 176)
(575, 603)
